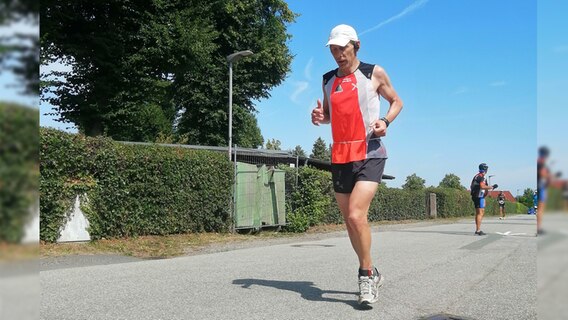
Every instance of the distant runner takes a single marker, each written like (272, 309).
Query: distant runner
(501, 201)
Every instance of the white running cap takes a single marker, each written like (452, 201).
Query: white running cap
(341, 35)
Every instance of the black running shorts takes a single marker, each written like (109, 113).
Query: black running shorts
(345, 175)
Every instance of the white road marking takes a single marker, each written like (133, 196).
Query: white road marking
(509, 233)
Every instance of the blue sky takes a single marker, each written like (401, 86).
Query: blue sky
(10, 89)
(9, 92)
(552, 78)
(466, 71)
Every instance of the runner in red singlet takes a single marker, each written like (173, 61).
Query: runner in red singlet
(351, 103)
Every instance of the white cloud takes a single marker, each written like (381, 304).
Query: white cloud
(308, 69)
(20, 27)
(55, 66)
(413, 7)
(498, 83)
(301, 86)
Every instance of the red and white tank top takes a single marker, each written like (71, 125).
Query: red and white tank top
(353, 106)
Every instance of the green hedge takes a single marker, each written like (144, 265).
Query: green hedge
(19, 169)
(554, 199)
(515, 207)
(311, 201)
(492, 207)
(397, 204)
(457, 203)
(132, 190)
(65, 174)
(452, 202)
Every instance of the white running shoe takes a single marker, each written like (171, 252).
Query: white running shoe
(369, 288)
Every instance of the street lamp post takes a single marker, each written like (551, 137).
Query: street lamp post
(489, 179)
(233, 58)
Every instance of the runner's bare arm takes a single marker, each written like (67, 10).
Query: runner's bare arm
(384, 87)
(483, 185)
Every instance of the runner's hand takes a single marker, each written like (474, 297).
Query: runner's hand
(379, 128)
(318, 115)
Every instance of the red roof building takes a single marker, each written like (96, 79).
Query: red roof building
(508, 196)
(558, 184)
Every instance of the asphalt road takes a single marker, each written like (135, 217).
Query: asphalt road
(430, 269)
(552, 267)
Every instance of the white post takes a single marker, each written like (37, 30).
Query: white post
(230, 106)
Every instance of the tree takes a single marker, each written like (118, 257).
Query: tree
(273, 144)
(21, 50)
(414, 182)
(248, 136)
(320, 150)
(298, 151)
(451, 181)
(527, 198)
(143, 68)
(117, 85)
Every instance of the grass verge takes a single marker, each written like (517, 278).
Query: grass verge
(151, 247)
(157, 247)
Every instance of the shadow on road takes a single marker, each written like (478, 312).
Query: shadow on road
(509, 223)
(455, 233)
(311, 245)
(306, 289)
(462, 233)
(444, 316)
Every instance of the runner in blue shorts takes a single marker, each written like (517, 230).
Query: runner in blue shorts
(543, 180)
(479, 190)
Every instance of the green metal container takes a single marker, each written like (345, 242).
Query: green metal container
(259, 197)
